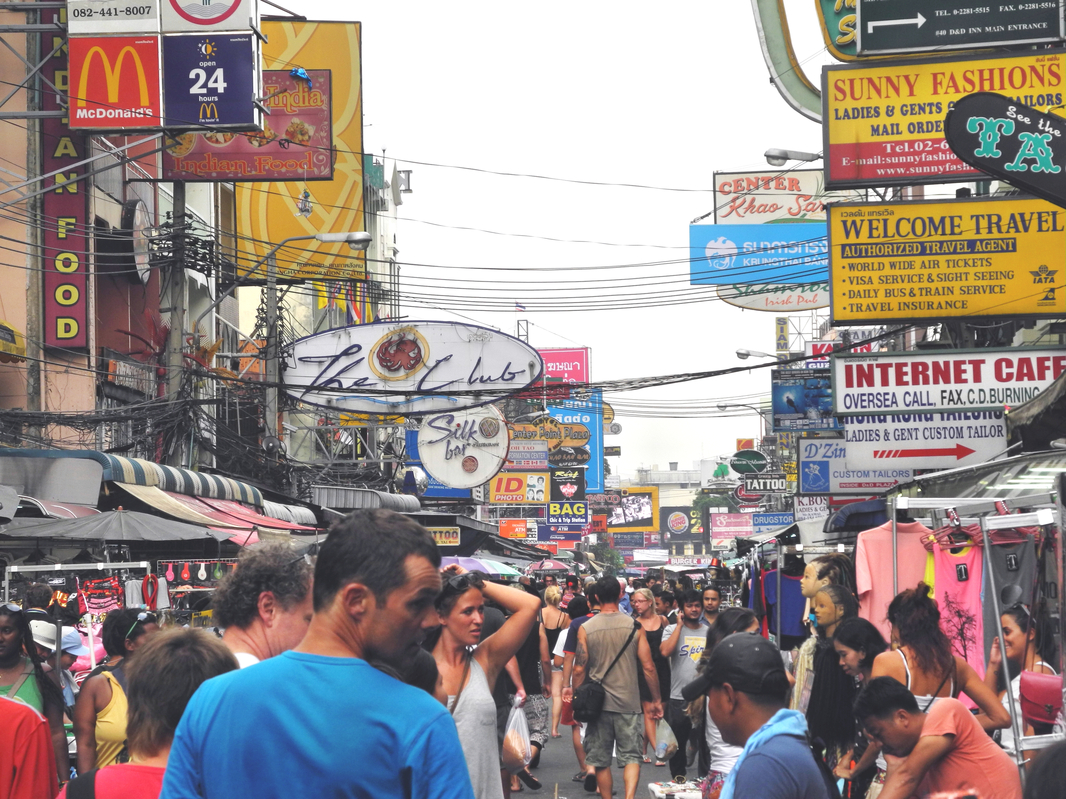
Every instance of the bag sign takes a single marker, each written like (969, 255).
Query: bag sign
(960, 381)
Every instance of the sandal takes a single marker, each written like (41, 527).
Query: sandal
(590, 783)
(531, 782)
(659, 763)
(579, 777)
(647, 759)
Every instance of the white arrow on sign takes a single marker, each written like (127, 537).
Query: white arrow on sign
(917, 21)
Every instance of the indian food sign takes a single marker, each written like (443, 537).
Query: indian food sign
(295, 143)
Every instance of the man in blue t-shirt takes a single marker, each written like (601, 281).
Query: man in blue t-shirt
(319, 720)
(746, 686)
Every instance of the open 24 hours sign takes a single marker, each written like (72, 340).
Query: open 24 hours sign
(884, 122)
(944, 380)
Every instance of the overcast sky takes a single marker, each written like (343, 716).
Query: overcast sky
(609, 92)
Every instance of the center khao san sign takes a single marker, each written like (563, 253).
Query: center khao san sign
(414, 368)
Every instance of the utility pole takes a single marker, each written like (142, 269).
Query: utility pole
(271, 370)
(176, 341)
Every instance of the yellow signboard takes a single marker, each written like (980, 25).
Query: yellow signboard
(445, 536)
(519, 488)
(268, 213)
(884, 124)
(969, 258)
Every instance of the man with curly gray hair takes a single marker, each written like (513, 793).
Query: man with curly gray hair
(265, 604)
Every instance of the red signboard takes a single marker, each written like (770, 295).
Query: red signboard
(570, 365)
(65, 209)
(599, 523)
(114, 82)
(295, 143)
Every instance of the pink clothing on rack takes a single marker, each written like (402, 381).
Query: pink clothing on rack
(873, 568)
(958, 594)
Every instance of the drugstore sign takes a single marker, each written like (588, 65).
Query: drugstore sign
(884, 124)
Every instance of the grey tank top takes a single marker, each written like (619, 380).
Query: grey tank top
(475, 720)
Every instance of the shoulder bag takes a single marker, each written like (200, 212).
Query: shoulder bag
(590, 695)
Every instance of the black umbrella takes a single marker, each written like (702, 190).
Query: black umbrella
(118, 525)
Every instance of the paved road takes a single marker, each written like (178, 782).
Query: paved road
(558, 764)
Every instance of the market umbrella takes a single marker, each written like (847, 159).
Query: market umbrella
(118, 525)
(548, 565)
(492, 568)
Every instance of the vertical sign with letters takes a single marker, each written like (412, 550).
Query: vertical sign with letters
(65, 209)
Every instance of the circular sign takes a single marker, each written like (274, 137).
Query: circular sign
(207, 14)
(464, 449)
(749, 461)
(744, 496)
(399, 354)
(608, 413)
(677, 522)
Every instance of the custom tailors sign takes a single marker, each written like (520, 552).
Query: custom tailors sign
(884, 122)
(974, 258)
(943, 381)
(115, 82)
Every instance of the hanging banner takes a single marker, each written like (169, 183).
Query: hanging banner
(722, 255)
(567, 364)
(776, 299)
(727, 526)
(567, 485)
(974, 258)
(924, 440)
(947, 381)
(883, 123)
(581, 422)
(823, 469)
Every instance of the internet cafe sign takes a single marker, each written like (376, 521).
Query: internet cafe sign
(414, 369)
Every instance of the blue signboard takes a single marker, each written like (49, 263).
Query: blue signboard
(436, 489)
(547, 532)
(588, 412)
(802, 399)
(768, 522)
(210, 81)
(627, 540)
(784, 254)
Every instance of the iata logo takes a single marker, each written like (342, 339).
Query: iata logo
(1043, 274)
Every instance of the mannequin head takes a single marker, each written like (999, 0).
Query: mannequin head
(832, 569)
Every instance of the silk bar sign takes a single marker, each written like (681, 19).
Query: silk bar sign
(411, 369)
(963, 381)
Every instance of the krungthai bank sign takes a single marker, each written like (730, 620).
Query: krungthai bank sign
(114, 82)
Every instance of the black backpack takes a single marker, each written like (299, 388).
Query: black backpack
(818, 753)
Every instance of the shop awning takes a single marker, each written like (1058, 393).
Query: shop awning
(54, 510)
(172, 506)
(247, 516)
(119, 525)
(12, 345)
(136, 471)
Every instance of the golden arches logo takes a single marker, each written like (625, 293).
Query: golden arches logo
(112, 75)
(208, 112)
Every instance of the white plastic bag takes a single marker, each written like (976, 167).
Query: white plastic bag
(517, 748)
(665, 741)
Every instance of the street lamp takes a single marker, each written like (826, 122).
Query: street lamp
(745, 354)
(725, 406)
(356, 240)
(778, 157)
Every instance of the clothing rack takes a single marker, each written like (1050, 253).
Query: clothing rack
(797, 549)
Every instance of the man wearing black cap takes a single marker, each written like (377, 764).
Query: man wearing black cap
(746, 687)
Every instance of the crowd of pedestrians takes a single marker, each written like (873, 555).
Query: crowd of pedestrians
(370, 671)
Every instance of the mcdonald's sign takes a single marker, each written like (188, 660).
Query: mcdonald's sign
(115, 82)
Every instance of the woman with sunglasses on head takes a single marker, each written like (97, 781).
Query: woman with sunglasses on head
(22, 678)
(1029, 639)
(100, 712)
(469, 666)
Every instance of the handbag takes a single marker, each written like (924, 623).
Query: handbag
(1041, 697)
(590, 695)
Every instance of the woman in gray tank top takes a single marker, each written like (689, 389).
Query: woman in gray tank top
(469, 666)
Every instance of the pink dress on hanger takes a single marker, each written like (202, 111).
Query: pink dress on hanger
(873, 568)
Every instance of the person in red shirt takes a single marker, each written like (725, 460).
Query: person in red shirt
(27, 758)
(945, 748)
(162, 679)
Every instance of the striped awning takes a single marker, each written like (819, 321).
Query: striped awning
(182, 481)
(12, 344)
